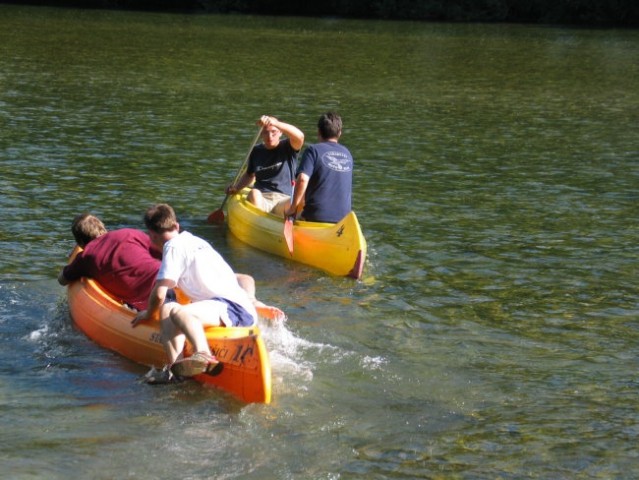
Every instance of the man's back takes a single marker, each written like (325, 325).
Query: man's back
(123, 262)
(329, 166)
(200, 271)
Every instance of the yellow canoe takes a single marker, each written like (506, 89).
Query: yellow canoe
(337, 248)
(246, 368)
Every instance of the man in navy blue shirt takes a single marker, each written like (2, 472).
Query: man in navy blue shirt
(324, 176)
(271, 166)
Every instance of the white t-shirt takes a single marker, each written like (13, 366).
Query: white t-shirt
(200, 272)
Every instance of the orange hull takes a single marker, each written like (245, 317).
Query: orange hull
(246, 371)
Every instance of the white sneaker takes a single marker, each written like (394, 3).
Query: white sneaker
(199, 362)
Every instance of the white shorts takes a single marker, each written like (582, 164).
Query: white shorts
(219, 312)
(271, 199)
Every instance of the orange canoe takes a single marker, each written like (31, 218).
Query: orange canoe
(246, 368)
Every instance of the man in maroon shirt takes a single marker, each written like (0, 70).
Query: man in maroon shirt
(122, 261)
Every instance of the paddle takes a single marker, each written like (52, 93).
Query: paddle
(288, 221)
(288, 228)
(217, 216)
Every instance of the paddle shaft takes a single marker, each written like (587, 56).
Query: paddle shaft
(248, 155)
(218, 215)
(288, 221)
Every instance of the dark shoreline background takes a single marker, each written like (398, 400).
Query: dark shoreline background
(600, 13)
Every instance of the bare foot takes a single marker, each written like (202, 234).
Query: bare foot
(273, 314)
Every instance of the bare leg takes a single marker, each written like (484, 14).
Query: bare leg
(191, 326)
(172, 338)
(265, 311)
(256, 198)
(188, 321)
(247, 283)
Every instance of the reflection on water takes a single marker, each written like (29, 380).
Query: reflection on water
(494, 331)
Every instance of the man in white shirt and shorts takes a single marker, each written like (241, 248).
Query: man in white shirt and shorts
(190, 264)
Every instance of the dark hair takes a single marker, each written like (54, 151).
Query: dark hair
(87, 227)
(160, 218)
(330, 125)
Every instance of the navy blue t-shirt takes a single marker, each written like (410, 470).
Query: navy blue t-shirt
(329, 167)
(274, 168)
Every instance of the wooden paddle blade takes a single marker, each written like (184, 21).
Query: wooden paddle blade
(288, 234)
(216, 217)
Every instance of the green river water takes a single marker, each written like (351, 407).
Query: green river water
(495, 333)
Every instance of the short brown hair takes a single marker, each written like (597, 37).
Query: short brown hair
(160, 218)
(87, 227)
(330, 125)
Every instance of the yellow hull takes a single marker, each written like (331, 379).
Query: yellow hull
(246, 371)
(337, 248)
